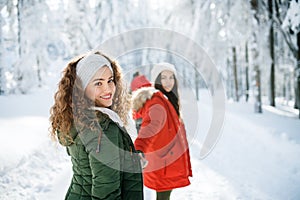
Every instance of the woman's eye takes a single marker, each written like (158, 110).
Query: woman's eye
(110, 80)
(98, 84)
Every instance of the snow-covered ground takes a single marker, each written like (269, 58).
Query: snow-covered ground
(256, 157)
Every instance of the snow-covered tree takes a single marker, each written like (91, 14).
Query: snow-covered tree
(37, 33)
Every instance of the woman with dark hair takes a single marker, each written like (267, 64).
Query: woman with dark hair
(167, 84)
(88, 116)
(162, 137)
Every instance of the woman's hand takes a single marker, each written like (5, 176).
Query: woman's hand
(143, 160)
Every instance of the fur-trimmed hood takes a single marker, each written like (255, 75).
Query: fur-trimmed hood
(140, 96)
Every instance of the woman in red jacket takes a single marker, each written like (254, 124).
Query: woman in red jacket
(161, 137)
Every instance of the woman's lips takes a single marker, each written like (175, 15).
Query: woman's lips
(106, 97)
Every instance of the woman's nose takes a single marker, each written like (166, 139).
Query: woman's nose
(169, 81)
(106, 88)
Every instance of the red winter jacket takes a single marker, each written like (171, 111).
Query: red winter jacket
(162, 138)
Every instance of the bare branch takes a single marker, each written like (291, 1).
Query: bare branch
(287, 37)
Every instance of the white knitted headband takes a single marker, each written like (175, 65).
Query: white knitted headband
(159, 67)
(89, 65)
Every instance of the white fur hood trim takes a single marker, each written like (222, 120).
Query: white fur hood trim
(140, 96)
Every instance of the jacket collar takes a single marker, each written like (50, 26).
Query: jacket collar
(111, 114)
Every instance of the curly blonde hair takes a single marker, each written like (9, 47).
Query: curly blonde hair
(71, 106)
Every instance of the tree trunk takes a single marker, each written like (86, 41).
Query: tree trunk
(272, 55)
(298, 91)
(1, 49)
(284, 88)
(228, 80)
(18, 72)
(39, 72)
(236, 88)
(185, 85)
(247, 72)
(256, 73)
(1, 82)
(255, 6)
(19, 6)
(257, 106)
(297, 84)
(197, 84)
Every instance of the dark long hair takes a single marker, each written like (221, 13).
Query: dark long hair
(172, 95)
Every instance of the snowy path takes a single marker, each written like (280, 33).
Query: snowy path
(257, 156)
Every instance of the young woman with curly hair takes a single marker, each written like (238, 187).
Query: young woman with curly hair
(88, 117)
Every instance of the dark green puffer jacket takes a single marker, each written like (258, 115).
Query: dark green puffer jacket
(112, 173)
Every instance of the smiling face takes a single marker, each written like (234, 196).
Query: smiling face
(101, 88)
(167, 80)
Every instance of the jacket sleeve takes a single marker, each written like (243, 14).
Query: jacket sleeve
(105, 165)
(153, 120)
